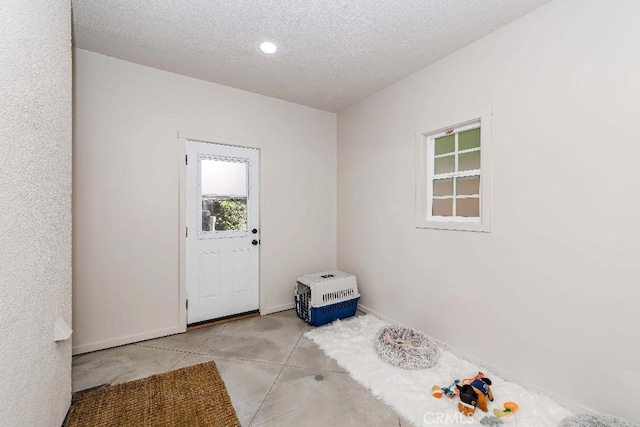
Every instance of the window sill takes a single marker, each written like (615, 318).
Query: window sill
(455, 225)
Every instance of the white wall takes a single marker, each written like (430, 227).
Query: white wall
(126, 219)
(554, 286)
(35, 210)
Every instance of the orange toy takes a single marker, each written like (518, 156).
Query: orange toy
(509, 409)
(512, 406)
(436, 391)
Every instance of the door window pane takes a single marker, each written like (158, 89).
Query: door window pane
(469, 139)
(442, 207)
(443, 187)
(223, 214)
(445, 144)
(468, 185)
(222, 177)
(468, 207)
(224, 195)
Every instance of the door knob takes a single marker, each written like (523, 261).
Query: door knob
(254, 242)
(254, 231)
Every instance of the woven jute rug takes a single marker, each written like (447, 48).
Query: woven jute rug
(192, 396)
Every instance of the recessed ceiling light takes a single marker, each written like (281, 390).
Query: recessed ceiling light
(268, 47)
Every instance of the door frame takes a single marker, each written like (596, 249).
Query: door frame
(183, 138)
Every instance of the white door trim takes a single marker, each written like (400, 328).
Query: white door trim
(182, 207)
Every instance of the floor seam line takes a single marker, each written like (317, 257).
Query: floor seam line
(276, 380)
(266, 396)
(178, 362)
(263, 362)
(175, 350)
(222, 328)
(294, 348)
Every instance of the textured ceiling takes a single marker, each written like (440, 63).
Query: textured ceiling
(332, 53)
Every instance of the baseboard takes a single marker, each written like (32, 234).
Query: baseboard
(380, 316)
(277, 308)
(129, 339)
(561, 400)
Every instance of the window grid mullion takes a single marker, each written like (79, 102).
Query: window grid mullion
(468, 150)
(439, 156)
(462, 196)
(432, 162)
(455, 181)
(463, 174)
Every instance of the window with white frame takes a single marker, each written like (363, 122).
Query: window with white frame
(454, 176)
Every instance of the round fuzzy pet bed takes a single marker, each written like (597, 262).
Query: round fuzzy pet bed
(586, 420)
(406, 348)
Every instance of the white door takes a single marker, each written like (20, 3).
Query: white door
(222, 230)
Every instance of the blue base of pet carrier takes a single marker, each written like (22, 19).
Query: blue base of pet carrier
(318, 316)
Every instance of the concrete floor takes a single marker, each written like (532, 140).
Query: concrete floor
(274, 375)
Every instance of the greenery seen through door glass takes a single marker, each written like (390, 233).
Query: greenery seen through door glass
(224, 214)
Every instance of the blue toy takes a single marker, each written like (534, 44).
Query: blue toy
(452, 391)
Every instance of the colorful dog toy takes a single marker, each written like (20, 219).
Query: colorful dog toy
(451, 392)
(392, 341)
(475, 395)
(510, 408)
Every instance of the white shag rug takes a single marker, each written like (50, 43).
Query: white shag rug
(408, 392)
